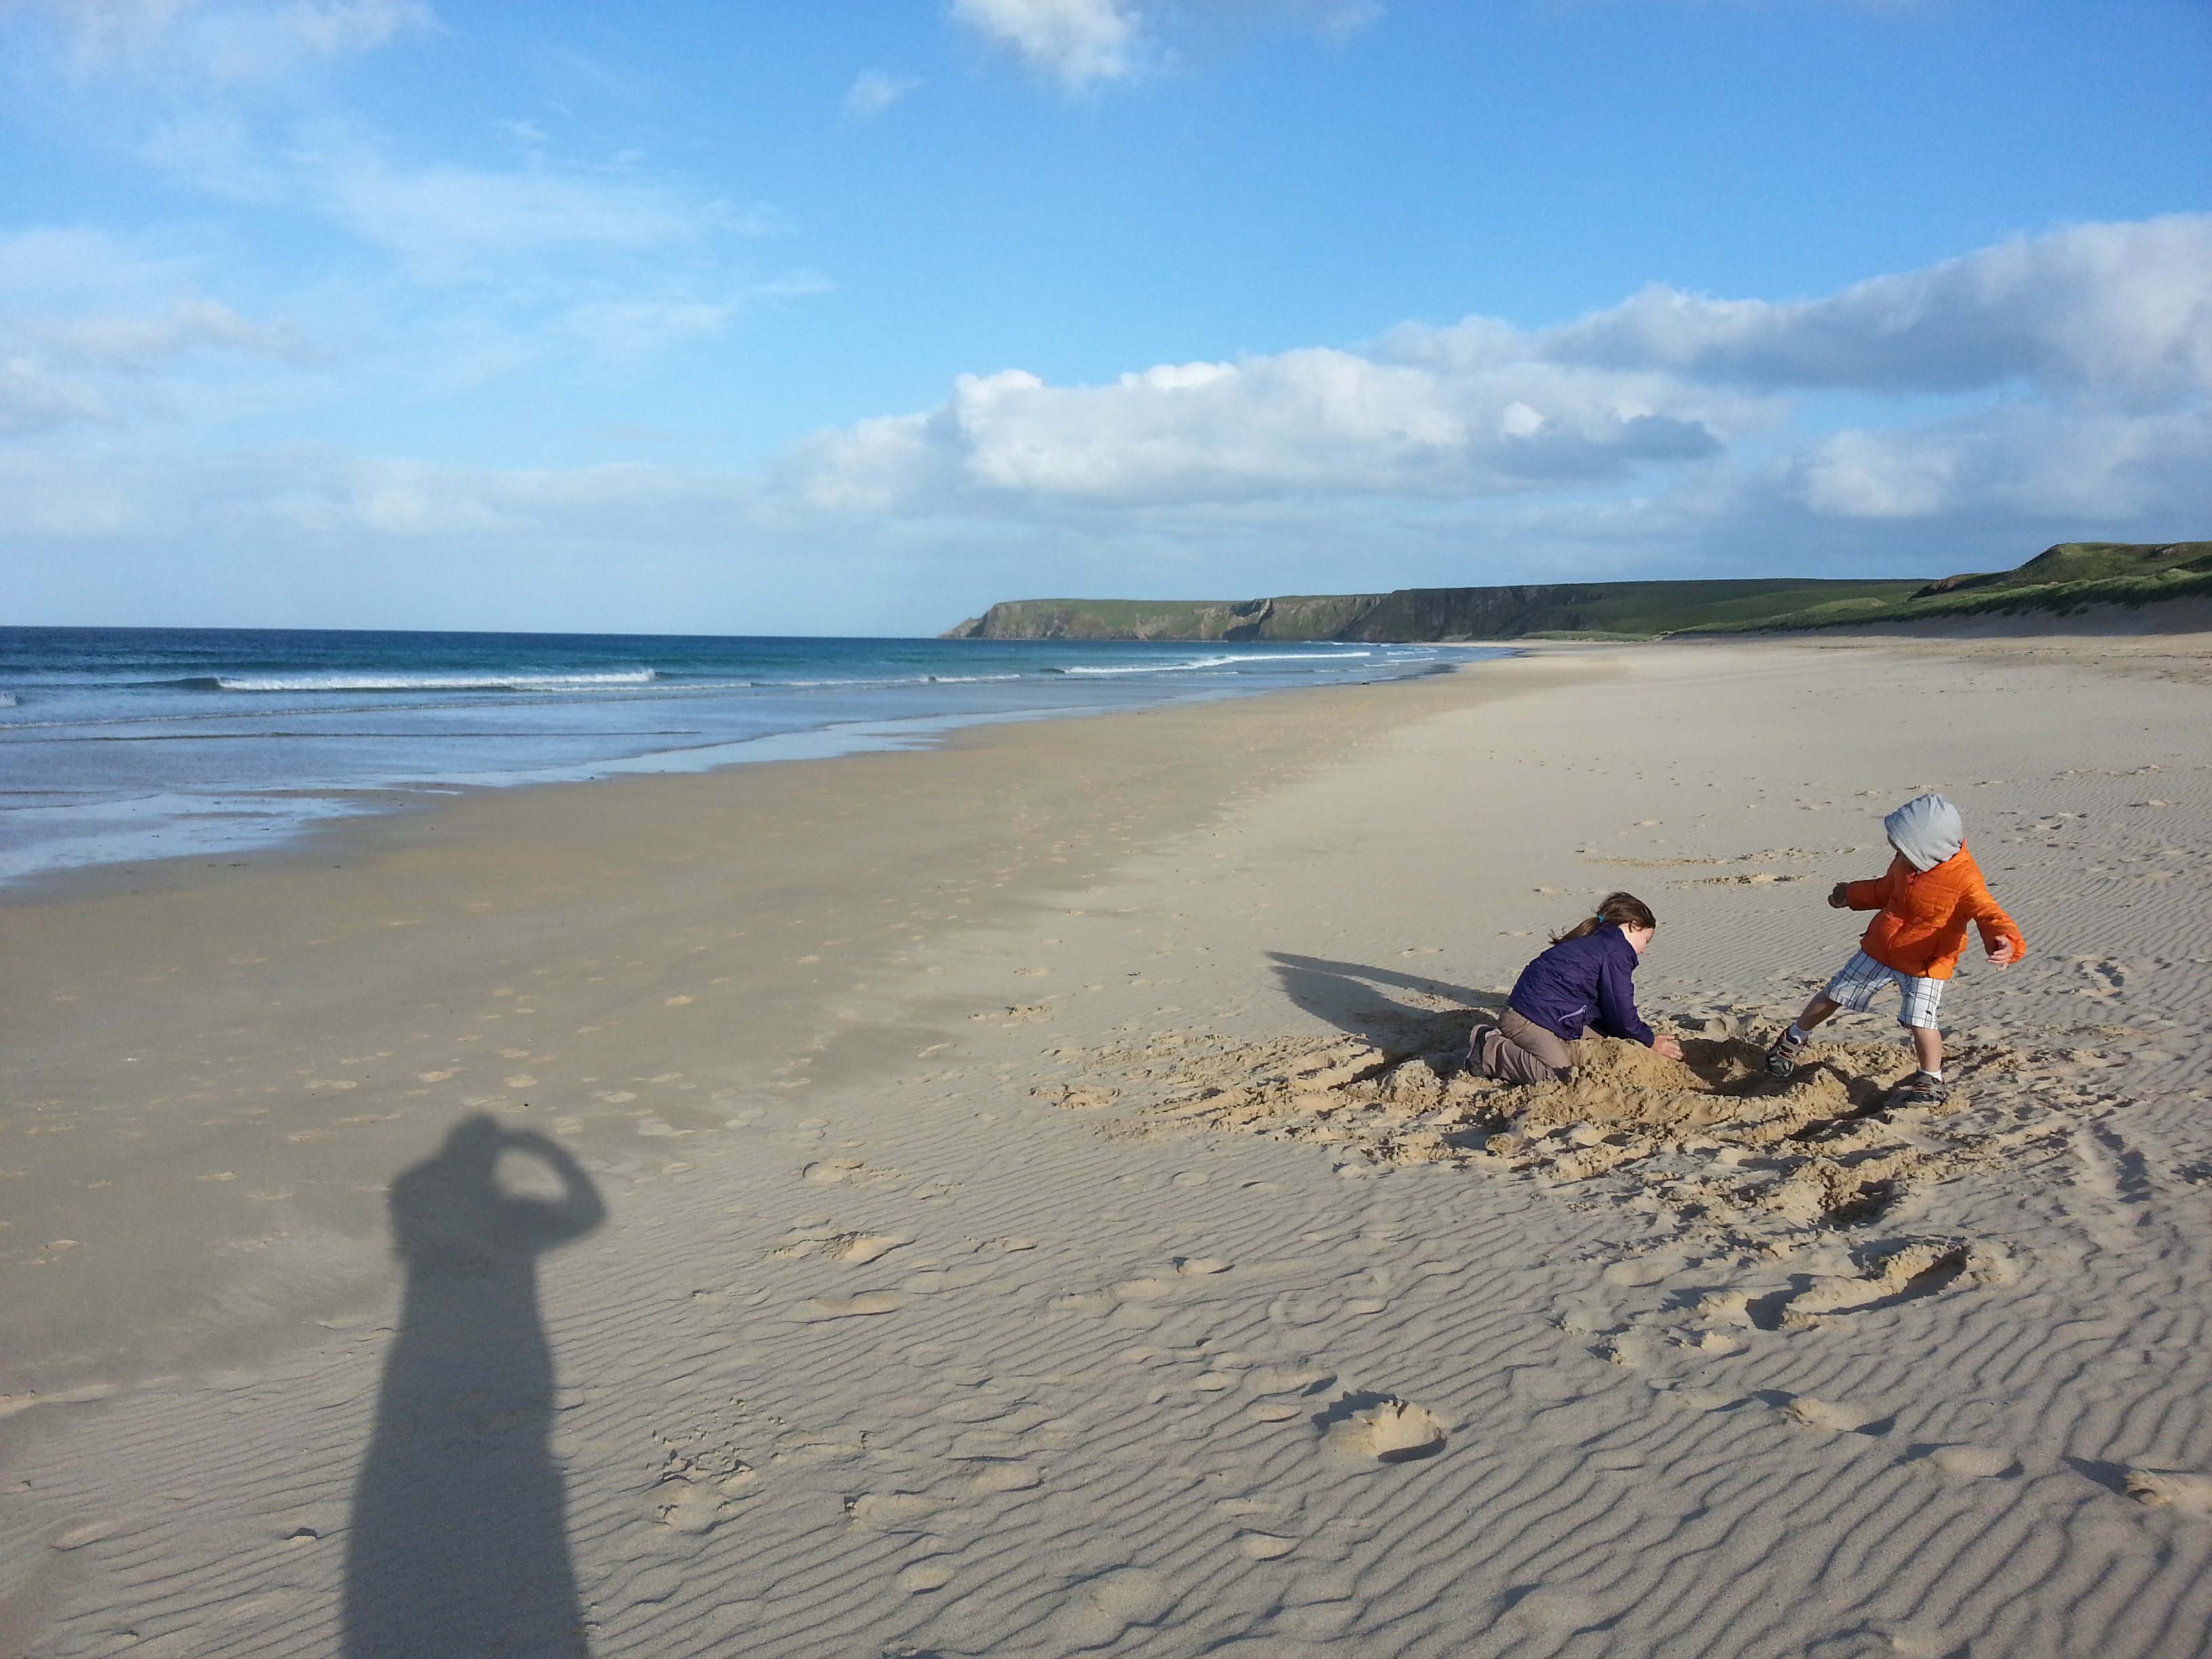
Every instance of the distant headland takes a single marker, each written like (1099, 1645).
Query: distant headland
(2063, 578)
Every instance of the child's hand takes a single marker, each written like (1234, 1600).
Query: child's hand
(1667, 1046)
(1840, 897)
(2000, 958)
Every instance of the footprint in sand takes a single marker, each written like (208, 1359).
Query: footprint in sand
(1194, 1266)
(86, 1531)
(976, 1408)
(1389, 1431)
(819, 1308)
(923, 1576)
(1144, 1290)
(2186, 1492)
(1919, 1269)
(1302, 1309)
(1979, 1462)
(1005, 1475)
(1572, 1424)
(1264, 1545)
(931, 1280)
(1830, 1416)
(1290, 1379)
(858, 1249)
(831, 1171)
(1648, 1270)
(1101, 1608)
(1080, 1302)
(1077, 1098)
(1706, 1400)
(683, 1507)
(1553, 1613)
(2106, 978)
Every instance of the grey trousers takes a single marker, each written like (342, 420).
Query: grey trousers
(1528, 1053)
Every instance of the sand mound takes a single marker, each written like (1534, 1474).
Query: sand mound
(1736, 1155)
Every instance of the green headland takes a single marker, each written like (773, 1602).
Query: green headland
(2061, 579)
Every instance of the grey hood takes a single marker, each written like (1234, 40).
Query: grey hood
(1927, 829)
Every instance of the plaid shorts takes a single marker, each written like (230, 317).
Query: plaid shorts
(1863, 976)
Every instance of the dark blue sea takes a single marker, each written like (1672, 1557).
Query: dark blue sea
(118, 744)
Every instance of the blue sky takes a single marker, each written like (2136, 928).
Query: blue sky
(851, 319)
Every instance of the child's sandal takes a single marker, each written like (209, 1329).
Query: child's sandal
(1919, 1089)
(1782, 1055)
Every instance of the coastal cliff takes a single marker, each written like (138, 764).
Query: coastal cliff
(1414, 614)
(2061, 578)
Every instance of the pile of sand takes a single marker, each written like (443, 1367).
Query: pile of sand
(1710, 1138)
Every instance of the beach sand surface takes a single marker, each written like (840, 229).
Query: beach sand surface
(1019, 1199)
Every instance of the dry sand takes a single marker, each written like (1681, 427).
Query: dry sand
(1019, 1199)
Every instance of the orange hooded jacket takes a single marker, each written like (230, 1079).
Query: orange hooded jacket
(1922, 928)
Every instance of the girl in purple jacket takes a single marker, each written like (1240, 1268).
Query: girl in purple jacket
(1583, 980)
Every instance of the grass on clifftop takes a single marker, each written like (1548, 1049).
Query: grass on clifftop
(2060, 579)
(1647, 610)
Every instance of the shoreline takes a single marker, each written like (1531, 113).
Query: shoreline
(306, 841)
(169, 777)
(922, 1315)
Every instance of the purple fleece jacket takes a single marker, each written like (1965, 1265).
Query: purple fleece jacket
(1582, 982)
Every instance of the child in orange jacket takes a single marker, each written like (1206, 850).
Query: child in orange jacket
(1932, 890)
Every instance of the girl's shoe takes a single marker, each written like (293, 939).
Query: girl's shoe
(1479, 1050)
(1919, 1089)
(1782, 1054)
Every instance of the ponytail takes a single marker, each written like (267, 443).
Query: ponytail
(1618, 910)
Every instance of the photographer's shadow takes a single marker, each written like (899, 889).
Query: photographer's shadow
(458, 1545)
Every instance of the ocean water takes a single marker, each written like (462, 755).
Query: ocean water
(122, 745)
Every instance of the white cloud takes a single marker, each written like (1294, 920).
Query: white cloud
(1077, 43)
(2095, 340)
(34, 398)
(1082, 44)
(2123, 308)
(1300, 424)
(85, 322)
(872, 92)
(143, 343)
(2021, 460)
(1865, 475)
(222, 93)
(629, 331)
(228, 42)
(446, 222)
(1341, 22)
(315, 491)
